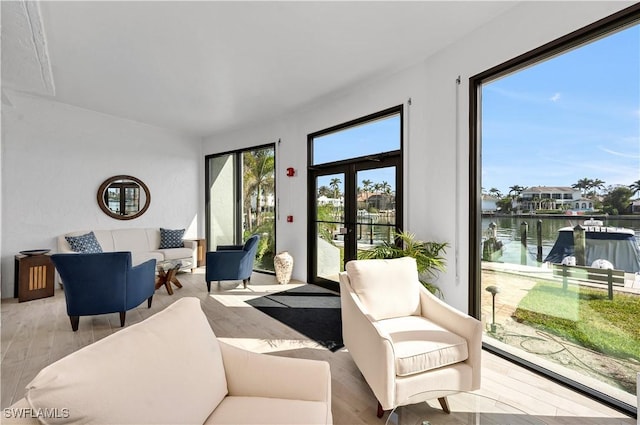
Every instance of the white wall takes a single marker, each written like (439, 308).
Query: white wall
(436, 131)
(54, 158)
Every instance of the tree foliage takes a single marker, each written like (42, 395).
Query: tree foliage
(617, 200)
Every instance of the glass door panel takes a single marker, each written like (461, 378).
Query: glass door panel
(222, 201)
(258, 203)
(330, 225)
(376, 203)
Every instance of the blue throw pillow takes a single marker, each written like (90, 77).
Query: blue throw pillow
(86, 244)
(171, 238)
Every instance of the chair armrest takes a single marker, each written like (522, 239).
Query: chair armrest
(143, 270)
(369, 345)
(229, 247)
(457, 322)
(222, 258)
(262, 375)
(141, 281)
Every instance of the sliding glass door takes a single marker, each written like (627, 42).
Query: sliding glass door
(240, 189)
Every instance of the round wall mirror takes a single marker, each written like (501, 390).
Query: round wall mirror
(123, 197)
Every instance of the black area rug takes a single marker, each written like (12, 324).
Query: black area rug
(311, 310)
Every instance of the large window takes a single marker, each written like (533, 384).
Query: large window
(240, 201)
(556, 167)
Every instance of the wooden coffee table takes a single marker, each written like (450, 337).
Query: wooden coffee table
(167, 271)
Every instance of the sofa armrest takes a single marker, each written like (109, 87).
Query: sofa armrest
(262, 375)
(457, 322)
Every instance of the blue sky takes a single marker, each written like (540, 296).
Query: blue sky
(574, 116)
(374, 137)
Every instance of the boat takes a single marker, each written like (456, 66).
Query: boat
(606, 247)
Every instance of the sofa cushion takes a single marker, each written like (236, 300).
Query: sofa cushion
(387, 288)
(139, 257)
(171, 238)
(420, 345)
(130, 240)
(86, 244)
(175, 253)
(167, 369)
(263, 410)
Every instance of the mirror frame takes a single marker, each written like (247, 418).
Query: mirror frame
(105, 208)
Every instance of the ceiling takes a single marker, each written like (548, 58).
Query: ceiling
(206, 67)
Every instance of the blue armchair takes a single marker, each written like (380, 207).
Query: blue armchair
(232, 262)
(104, 283)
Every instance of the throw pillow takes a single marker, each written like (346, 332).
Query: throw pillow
(86, 244)
(171, 238)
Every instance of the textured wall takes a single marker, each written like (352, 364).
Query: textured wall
(56, 156)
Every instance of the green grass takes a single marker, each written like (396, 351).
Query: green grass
(585, 316)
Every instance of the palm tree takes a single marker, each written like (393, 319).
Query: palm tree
(536, 202)
(324, 191)
(258, 177)
(584, 185)
(635, 187)
(495, 192)
(366, 186)
(597, 184)
(334, 184)
(516, 190)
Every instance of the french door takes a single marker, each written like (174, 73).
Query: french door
(355, 206)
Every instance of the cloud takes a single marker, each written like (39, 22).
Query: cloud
(622, 154)
(555, 97)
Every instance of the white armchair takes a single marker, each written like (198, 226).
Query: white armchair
(404, 340)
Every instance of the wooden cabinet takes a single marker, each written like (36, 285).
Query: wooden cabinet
(34, 277)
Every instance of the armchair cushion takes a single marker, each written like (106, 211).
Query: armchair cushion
(421, 345)
(86, 244)
(387, 288)
(173, 389)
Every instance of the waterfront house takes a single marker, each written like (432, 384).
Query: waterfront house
(553, 197)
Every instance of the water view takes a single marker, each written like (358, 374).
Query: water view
(509, 230)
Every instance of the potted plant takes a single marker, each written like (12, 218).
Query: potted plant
(428, 255)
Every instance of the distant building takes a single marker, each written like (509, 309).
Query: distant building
(489, 204)
(336, 202)
(553, 198)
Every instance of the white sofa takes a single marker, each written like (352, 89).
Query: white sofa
(144, 244)
(171, 369)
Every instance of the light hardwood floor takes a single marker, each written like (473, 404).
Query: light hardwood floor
(37, 333)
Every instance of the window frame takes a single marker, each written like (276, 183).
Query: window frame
(601, 28)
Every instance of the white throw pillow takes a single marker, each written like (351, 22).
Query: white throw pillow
(387, 288)
(165, 370)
